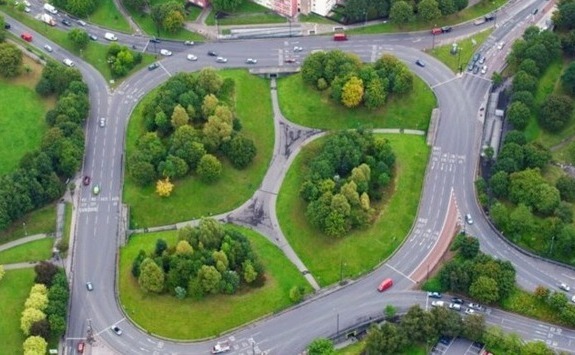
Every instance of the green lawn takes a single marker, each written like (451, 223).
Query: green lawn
(36, 250)
(192, 198)
(309, 107)
(356, 348)
(482, 8)
(67, 226)
(362, 250)
(14, 289)
(188, 319)
(39, 221)
(108, 16)
(311, 17)
(443, 53)
(249, 13)
(22, 123)
(194, 13)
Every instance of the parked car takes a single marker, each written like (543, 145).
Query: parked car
(212, 54)
(445, 340)
(481, 60)
(66, 22)
(457, 300)
(420, 62)
(221, 60)
(438, 303)
(469, 311)
(116, 330)
(446, 28)
(165, 52)
(48, 48)
(290, 60)
(500, 45)
(564, 287)
(484, 69)
(89, 286)
(189, 43)
(192, 57)
(7, 26)
(86, 180)
(455, 306)
(434, 295)
(475, 306)
(251, 61)
(80, 347)
(81, 22)
(476, 57)
(27, 10)
(153, 66)
(221, 347)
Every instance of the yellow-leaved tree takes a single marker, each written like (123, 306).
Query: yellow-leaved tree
(164, 187)
(352, 92)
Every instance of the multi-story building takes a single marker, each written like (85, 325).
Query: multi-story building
(289, 8)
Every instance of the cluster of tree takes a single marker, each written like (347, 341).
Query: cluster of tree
(2, 28)
(558, 302)
(352, 83)
(352, 168)
(208, 259)
(190, 124)
(531, 55)
(40, 175)
(480, 276)
(45, 312)
(402, 12)
(564, 20)
(79, 38)
(80, 8)
(10, 60)
(2, 272)
(169, 16)
(121, 59)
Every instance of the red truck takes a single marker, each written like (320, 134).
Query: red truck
(340, 37)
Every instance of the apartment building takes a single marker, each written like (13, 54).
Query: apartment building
(289, 8)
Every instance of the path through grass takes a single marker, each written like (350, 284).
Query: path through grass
(37, 250)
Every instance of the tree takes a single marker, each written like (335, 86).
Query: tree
(321, 346)
(448, 7)
(174, 21)
(210, 81)
(35, 345)
(484, 289)
(184, 248)
(10, 60)
(428, 10)
(352, 93)
(469, 247)
(547, 198)
(473, 327)
(530, 67)
(401, 12)
(524, 82)
(536, 348)
(250, 273)
(226, 5)
(164, 187)
(2, 272)
(518, 115)
(447, 322)
(161, 246)
(45, 272)
(151, 277)
(565, 17)
(568, 43)
(375, 94)
(179, 116)
(386, 340)
(185, 144)
(524, 97)
(240, 150)
(566, 186)
(79, 38)
(209, 278)
(499, 184)
(40, 328)
(37, 300)
(416, 322)
(555, 112)
(29, 317)
(536, 155)
(568, 78)
(209, 168)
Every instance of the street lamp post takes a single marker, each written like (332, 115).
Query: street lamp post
(25, 231)
(365, 18)
(459, 59)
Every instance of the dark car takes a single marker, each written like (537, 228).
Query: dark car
(66, 22)
(457, 300)
(420, 62)
(489, 17)
(475, 69)
(476, 57)
(445, 29)
(290, 60)
(434, 294)
(86, 180)
(154, 40)
(7, 26)
(445, 340)
(153, 66)
(212, 54)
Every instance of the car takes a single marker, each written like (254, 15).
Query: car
(446, 29)
(66, 22)
(189, 43)
(500, 45)
(573, 299)
(475, 306)
(489, 17)
(384, 285)
(192, 57)
(165, 52)
(221, 347)
(27, 10)
(48, 48)
(420, 62)
(86, 180)
(475, 69)
(93, 37)
(102, 121)
(455, 306)
(81, 22)
(153, 66)
(469, 311)
(7, 26)
(468, 218)
(564, 287)
(445, 340)
(80, 347)
(110, 36)
(89, 286)
(96, 190)
(251, 61)
(154, 40)
(26, 3)
(290, 60)
(68, 62)
(116, 330)
(476, 57)
(484, 69)
(297, 49)
(438, 303)
(221, 60)
(434, 294)
(481, 60)
(457, 300)
(212, 54)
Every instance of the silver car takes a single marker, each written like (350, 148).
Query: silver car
(221, 60)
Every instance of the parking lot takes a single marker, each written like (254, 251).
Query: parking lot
(456, 346)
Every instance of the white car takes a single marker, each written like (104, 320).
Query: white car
(455, 306)
(469, 311)
(221, 347)
(251, 61)
(102, 121)
(573, 299)
(27, 10)
(564, 287)
(110, 36)
(297, 49)
(165, 52)
(68, 62)
(221, 60)
(500, 45)
(189, 43)
(483, 69)
(48, 48)
(468, 219)
(438, 303)
(192, 57)
(116, 330)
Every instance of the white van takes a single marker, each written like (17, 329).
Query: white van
(110, 36)
(51, 9)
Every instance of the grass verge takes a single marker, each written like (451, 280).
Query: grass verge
(39, 221)
(466, 50)
(192, 198)
(360, 251)
(108, 16)
(14, 290)
(36, 250)
(306, 106)
(470, 13)
(67, 226)
(248, 13)
(188, 319)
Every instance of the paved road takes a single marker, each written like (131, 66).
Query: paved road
(451, 172)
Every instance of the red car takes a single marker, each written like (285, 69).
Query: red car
(80, 347)
(86, 180)
(385, 284)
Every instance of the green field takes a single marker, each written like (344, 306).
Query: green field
(108, 16)
(360, 251)
(37, 250)
(192, 198)
(14, 289)
(188, 319)
(39, 221)
(467, 48)
(304, 105)
(22, 123)
(248, 13)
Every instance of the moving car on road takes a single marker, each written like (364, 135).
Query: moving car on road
(221, 60)
(89, 286)
(385, 284)
(66, 22)
(165, 52)
(192, 58)
(189, 43)
(153, 66)
(96, 190)
(116, 330)
(86, 180)
(251, 61)
(297, 49)
(102, 121)
(420, 62)
(221, 347)
(564, 287)
(212, 54)
(68, 62)
(468, 219)
(48, 48)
